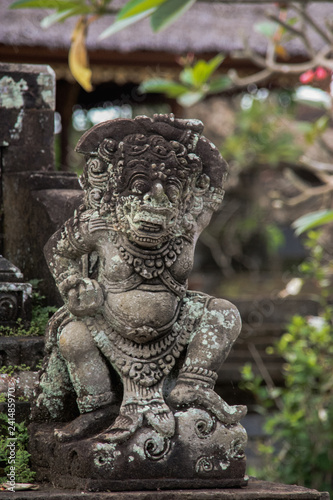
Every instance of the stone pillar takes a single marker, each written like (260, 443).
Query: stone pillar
(35, 199)
(27, 103)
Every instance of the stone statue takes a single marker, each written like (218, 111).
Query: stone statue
(130, 333)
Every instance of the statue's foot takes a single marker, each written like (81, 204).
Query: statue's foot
(161, 419)
(189, 395)
(122, 428)
(85, 425)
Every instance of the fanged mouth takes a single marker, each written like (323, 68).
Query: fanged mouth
(150, 227)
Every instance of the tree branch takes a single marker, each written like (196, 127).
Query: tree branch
(299, 33)
(316, 166)
(302, 11)
(248, 80)
(265, 374)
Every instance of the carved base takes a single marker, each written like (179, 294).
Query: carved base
(203, 454)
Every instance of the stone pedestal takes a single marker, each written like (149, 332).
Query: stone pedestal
(255, 490)
(204, 453)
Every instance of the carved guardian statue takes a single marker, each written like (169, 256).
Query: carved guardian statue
(135, 349)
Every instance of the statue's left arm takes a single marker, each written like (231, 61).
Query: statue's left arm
(63, 252)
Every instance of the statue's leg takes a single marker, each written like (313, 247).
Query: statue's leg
(140, 403)
(208, 348)
(90, 377)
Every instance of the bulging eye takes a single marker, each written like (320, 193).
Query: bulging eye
(139, 186)
(173, 192)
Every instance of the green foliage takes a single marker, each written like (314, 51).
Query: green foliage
(40, 317)
(135, 7)
(260, 137)
(122, 24)
(168, 12)
(312, 220)
(270, 28)
(162, 13)
(195, 82)
(266, 28)
(300, 445)
(23, 472)
(313, 130)
(255, 222)
(63, 8)
(11, 369)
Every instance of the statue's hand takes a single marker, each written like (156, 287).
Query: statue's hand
(85, 298)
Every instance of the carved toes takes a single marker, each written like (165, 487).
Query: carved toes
(122, 428)
(184, 395)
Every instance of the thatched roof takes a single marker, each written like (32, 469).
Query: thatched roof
(204, 29)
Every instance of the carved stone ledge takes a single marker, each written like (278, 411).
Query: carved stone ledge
(255, 490)
(204, 453)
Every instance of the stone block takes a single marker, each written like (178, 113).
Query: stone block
(15, 295)
(255, 490)
(21, 350)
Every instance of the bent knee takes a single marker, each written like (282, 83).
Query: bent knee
(226, 315)
(75, 340)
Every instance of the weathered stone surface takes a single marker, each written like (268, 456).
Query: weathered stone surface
(15, 295)
(22, 411)
(21, 350)
(27, 103)
(25, 383)
(36, 204)
(202, 452)
(255, 490)
(131, 337)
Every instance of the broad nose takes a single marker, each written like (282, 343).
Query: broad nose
(156, 193)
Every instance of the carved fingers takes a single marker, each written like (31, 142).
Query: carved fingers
(85, 298)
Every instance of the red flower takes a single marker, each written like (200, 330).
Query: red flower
(307, 77)
(321, 73)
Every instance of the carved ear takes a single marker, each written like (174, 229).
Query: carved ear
(190, 140)
(203, 182)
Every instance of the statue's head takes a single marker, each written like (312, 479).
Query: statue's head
(151, 177)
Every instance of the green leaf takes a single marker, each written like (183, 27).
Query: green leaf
(203, 70)
(60, 5)
(58, 17)
(219, 84)
(135, 7)
(124, 23)
(292, 20)
(266, 28)
(190, 98)
(322, 123)
(311, 220)
(162, 86)
(168, 12)
(186, 76)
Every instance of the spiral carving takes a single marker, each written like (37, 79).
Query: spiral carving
(205, 426)
(157, 447)
(204, 464)
(8, 307)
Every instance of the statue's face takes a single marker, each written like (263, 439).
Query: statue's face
(150, 188)
(150, 197)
